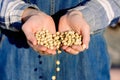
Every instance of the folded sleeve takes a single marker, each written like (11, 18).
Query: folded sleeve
(100, 13)
(11, 12)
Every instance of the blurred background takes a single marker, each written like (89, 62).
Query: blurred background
(112, 36)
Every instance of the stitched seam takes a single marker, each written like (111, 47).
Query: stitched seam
(52, 7)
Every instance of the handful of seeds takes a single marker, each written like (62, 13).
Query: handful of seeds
(68, 38)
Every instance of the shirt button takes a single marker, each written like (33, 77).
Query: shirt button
(39, 56)
(35, 69)
(40, 77)
(57, 69)
(40, 62)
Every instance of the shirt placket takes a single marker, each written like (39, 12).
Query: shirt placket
(52, 7)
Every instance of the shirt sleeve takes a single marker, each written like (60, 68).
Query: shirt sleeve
(100, 13)
(11, 12)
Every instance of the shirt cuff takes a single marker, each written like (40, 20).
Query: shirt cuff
(96, 16)
(16, 14)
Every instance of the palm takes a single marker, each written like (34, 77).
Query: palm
(36, 23)
(76, 23)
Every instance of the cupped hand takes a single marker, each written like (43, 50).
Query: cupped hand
(35, 23)
(73, 20)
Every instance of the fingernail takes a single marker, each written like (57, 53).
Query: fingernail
(76, 52)
(84, 46)
(87, 47)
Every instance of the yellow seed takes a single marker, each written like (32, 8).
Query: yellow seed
(46, 31)
(38, 42)
(69, 38)
(51, 47)
(53, 77)
(57, 33)
(41, 43)
(59, 51)
(66, 32)
(58, 62)
(54, 43)
(53, 35)
(57, 46)
(57, 69)
(83, 46)
(50, 42)
(62, 38)
(65, 43)
(56, 38)
(42, 36)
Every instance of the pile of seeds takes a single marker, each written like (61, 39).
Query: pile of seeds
(68, 38)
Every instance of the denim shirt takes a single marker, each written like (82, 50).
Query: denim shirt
(18, 61)
(97, 13)
(52, 6)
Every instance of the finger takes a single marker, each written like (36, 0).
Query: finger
(43, 53)
(52, 29)
(64, 47)
(46, 50)
(63, 28)
(41, 48)
(50, 25)
(51, 52)
(63, 24)
(86, 37)
(71, 51)
(77, 48)
(31, 38)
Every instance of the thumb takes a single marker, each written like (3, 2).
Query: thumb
(63, 27)
(31, 39)
(63, 24)
(86, 39)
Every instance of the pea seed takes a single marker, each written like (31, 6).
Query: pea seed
(68, 38)
(53, 77)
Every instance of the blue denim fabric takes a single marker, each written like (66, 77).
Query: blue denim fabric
(52, 6)
(20, 62)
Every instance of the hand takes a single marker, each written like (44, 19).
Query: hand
(35, 21)
(74, 20)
